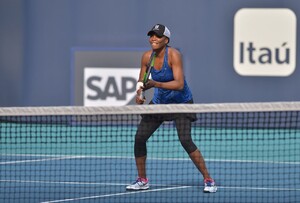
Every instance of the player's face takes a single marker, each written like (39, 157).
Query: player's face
(157, 42)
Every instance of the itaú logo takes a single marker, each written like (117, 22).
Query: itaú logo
(109, 86)
(264, 42)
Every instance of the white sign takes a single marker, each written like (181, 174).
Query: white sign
(265, 42)
(109, 86)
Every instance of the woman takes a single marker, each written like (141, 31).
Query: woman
(170, 87)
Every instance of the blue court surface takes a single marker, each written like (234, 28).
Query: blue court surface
(28, 178)
(89, 164)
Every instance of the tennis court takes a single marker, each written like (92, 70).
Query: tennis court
(80, 162)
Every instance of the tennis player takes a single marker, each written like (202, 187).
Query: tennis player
(170, 87)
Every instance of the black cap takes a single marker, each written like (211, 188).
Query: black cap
(160, 30)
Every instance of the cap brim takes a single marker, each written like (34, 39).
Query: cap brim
(154, 32)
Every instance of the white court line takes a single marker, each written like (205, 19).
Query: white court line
(37, 160)
(155, 158)
(159, 185)
(80, 183)
(65, 182)
(115, 194)
(260, 188)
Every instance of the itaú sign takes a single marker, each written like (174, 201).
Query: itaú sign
(265, 42)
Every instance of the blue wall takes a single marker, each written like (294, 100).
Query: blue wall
(36, 38)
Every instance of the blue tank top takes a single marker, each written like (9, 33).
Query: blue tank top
(164, 96)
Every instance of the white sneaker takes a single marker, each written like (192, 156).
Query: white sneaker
(139, 184)
(209, 186)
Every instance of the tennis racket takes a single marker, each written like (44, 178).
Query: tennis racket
(146, 76)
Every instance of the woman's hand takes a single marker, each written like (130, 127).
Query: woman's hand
(140, 99)
(149, 84)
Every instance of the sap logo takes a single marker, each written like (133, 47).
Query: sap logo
(109, 86)
(265, 42)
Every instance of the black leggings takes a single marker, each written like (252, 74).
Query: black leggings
(148, 126)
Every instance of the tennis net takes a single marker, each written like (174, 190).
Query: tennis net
(86, 154)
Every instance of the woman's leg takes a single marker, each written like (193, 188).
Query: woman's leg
(199, 162)
(145, 129)
(183, 126)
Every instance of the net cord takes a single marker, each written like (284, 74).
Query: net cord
(150, 109)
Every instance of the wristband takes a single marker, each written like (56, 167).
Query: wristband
(139, 85)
